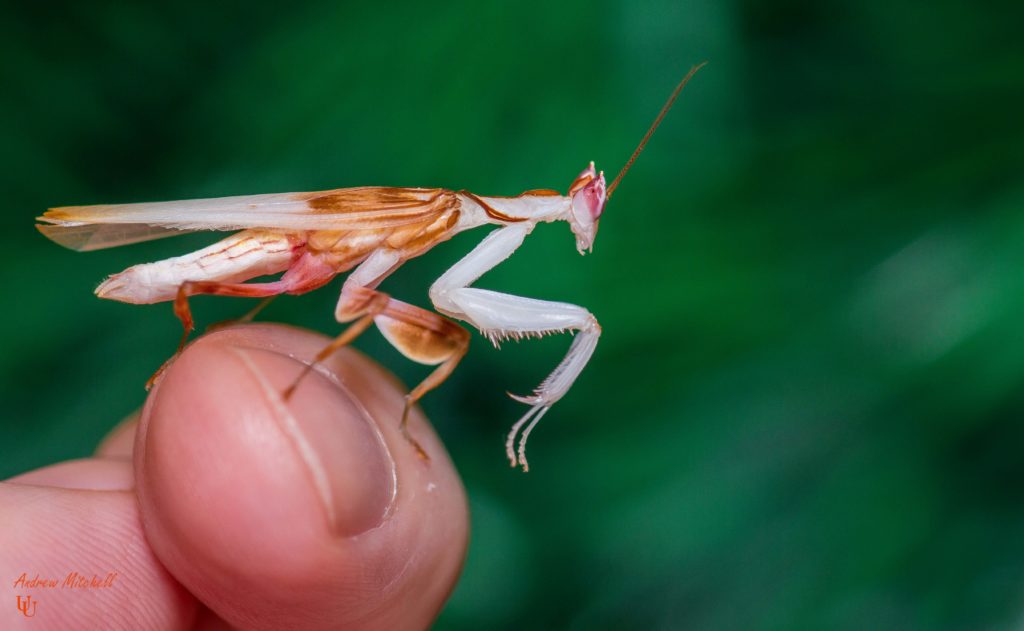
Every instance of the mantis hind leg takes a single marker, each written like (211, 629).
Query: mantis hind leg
(421, 335)
(307, 274)
(184, 312)
(215, 288)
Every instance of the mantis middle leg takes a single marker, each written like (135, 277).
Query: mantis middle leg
(422, 336)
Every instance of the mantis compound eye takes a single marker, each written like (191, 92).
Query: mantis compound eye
(587, 205)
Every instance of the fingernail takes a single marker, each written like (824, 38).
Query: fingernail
(348, 463)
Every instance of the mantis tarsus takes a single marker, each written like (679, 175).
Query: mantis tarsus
(312, 237)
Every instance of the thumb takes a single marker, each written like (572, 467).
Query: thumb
(308, 513)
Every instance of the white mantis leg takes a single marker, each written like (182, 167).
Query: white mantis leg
(420, 335)
(501, 316)
(368, 275)
(355, 304)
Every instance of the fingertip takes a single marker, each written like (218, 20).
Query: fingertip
(257, 504)
(120, 442)
(79, 553)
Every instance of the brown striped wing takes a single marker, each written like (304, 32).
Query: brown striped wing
(348, 209)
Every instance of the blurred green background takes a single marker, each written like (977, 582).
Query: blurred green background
(806, 408)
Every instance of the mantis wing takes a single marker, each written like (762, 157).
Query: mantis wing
(362, 208)
(86, 237)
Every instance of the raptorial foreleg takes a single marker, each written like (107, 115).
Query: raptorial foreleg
(502, 316)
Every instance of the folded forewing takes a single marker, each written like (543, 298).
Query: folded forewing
(96, 236)
(363, 208)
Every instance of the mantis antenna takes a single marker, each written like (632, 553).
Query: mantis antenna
(654, 125)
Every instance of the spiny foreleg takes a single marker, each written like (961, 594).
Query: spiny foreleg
(502, 316)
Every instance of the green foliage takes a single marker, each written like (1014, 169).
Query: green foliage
(805, 411)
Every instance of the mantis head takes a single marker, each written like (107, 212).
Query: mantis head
(588, 197)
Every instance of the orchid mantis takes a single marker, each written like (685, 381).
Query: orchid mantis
(312, 237)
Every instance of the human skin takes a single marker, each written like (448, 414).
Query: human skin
(223, 504)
